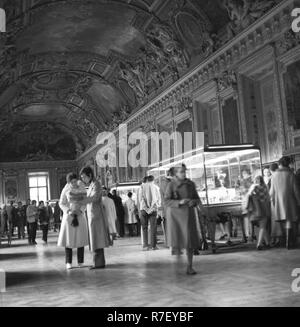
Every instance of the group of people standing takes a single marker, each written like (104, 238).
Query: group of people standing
(28, 218)
(272, 202)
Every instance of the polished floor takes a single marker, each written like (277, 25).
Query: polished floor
(36, 276)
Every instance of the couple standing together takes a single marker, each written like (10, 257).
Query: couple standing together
(77, 231)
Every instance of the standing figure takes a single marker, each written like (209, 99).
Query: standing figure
(32, 217)
(57, 215)
(74, 231)
(182, 198)
(286, 197)
(130, 214)
(150, 202)
(43, 219)
(11, 219)
(97, 222)
(20, 214)
(120, 213)
(110, 213)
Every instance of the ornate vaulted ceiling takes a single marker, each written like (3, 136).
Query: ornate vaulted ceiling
(83, 66)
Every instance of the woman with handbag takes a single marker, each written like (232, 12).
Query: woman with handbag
(74, 232)
(259, 208)
(181, 200)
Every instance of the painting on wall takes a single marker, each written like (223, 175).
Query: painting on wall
(11, 190)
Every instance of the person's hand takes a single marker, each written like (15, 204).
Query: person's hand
(183, 202)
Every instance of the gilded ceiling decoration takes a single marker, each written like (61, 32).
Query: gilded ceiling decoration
(88, 65)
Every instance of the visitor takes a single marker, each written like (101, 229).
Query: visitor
(244, 186)
(276, 230)
(97, 224)
(57, 217)
(11, 221)
(73, 233)
(150, 201)
(21, 220)
(43, 218)
(110, 213)
(32, 217)
(49, 214)
(261, 210)
(28, 202)
(182, 198)
(120, 213)
(286, 198)
(130, 215)
(267, 177)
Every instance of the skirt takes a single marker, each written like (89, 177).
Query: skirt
(182, 228)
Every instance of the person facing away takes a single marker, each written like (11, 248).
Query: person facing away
(285, 197)
(97, 223)
(150, 201)
(130, 214)
(73, 233)
(11, 217)
(182, 198)
(57, 215)
(110, 212)
(120, 213)
(32, 217)
(261, 210)
(21, 216)
(43, 219)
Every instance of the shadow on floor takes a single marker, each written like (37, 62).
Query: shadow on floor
(14, 279)
(17, 256)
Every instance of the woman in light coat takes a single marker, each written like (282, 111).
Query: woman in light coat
(97, 222)
(285, 197)
(130, 214)
(70, 236)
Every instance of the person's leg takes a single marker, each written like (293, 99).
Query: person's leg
(153, 230)
(99, 259)
(144, 222)
(69, 256)
(34, 229)
(29, 232)
(262, 236)
(122, 226)
(46, 233)
(80, 255)
(190, 270)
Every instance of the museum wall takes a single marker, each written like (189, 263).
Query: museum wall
(14, 178)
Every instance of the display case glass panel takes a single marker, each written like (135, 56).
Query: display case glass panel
(123, 189)
(217, 172)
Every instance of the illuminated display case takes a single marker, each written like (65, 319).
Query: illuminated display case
(217, 171)
(124, 188)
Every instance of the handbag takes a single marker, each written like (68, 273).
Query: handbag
(75, 222)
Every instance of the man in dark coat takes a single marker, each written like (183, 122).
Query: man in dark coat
(120, 213)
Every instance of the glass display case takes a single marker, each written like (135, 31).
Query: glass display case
(217, 171)
(124, 188)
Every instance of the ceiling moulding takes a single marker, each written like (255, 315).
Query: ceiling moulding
(266, 29)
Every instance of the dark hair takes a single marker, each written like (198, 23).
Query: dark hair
(71, 176)
(171, 172)
(150, 178)
(274, 167)
(104, 188)
(260, 180)
(41, 202)
(145, 179)
(285, 162)
(130, 194)
(88, 171)
(33, 201)
(11, 203)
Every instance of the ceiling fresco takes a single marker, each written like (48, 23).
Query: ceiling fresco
(85, 66)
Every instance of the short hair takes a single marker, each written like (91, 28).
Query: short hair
(285, 162)
(145, 179)
(41, 202)
(130, 194)
(150, 178)
(104, 188)
(274, 167)
(71, 176)
(33, 202)
(171, 172)
(88, 171)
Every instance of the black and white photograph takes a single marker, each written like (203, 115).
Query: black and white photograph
(149, 156)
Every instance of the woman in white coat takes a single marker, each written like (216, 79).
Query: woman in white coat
(73, 233)
(97, 222)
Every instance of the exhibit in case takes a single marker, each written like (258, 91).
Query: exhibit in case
(124, 188)
(217, 171)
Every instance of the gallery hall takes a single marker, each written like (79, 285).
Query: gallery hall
(149, 153)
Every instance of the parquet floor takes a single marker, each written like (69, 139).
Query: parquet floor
(36, 276)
